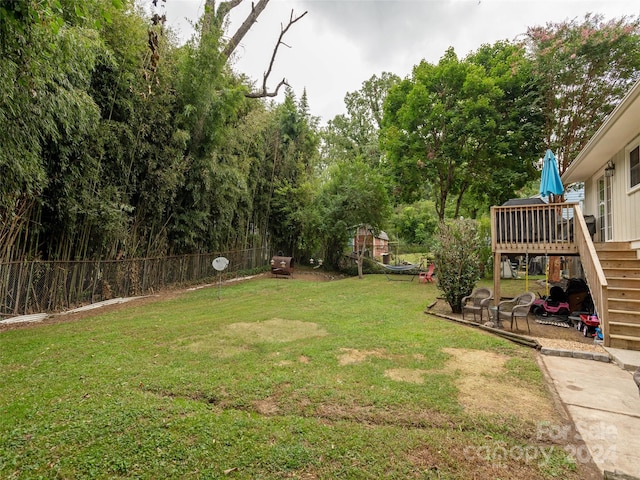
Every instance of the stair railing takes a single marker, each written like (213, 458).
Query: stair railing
(593, 271)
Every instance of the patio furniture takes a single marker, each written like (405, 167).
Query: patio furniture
(517, 308)
(479, 300)
(428, 275)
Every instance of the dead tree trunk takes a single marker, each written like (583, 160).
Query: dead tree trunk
(219, 16)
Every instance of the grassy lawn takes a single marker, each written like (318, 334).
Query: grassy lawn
(280, 378)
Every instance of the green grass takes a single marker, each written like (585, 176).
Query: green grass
(510, 287)
(252, 386)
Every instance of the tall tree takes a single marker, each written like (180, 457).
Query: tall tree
(294, 156)
(584, 68)
(209, 103)
(354, 196)
(356, 133)
(519, 131)
(452, 127)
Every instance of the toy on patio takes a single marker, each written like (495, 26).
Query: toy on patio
(599, 338)
(588, 325)
(556, 303)
(562, 309)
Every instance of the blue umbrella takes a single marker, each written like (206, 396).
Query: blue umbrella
(550, 182)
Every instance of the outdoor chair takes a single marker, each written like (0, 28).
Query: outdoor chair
(479, 300)
(428, 275)
(517, 308)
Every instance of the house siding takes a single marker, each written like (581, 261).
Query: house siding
(376, 245)
(625, 206)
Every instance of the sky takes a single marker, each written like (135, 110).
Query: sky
(339, 44)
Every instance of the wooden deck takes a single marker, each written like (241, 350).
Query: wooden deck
(534, 229)
(549, 229)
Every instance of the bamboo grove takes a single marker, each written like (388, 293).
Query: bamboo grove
(116, 142)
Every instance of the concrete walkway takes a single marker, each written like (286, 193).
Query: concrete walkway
(604, 404)
(38, 317)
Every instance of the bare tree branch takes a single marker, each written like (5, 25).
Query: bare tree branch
(224, 9)
(219, 16)
(256, 10)
(264, 93)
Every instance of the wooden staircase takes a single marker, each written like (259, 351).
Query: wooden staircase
(621, 267)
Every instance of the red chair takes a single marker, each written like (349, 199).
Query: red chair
(428, 275)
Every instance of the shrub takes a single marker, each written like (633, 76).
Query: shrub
(457, 260)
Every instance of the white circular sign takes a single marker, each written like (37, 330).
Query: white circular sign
(220, 263)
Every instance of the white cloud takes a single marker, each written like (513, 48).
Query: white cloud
(341, 43)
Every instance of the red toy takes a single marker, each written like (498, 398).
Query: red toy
(588, 324)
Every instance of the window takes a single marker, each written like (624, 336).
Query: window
(605, 213)
(634, 167)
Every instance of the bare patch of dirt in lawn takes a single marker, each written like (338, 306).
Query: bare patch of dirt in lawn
(410, 375)
(274, 330)
(480, 382)
(352, 355)
(267, 406)
(482, 388)
(221, 344)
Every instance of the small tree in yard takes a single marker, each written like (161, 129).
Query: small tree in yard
(354, 195)
(457, 260)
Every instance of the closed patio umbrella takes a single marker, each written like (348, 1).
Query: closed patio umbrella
(550, 184)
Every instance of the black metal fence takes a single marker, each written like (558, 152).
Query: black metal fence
(40, 286)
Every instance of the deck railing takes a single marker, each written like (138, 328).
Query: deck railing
(536, 229)
(554, 229)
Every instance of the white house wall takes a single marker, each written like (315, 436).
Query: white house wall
(625, 206)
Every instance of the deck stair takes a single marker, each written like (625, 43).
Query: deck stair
(621, 266)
